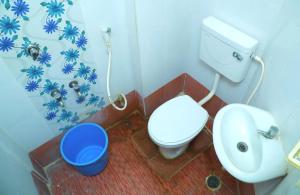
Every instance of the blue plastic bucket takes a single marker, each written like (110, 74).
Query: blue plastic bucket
(85, 146)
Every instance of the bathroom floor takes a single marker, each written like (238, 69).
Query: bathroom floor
(129, 170)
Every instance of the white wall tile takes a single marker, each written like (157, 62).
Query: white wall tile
(15, 168)
(19, 118)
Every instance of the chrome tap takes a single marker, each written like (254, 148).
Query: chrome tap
(56, 94)
(74, 85)
(33, 50)
(271, 133)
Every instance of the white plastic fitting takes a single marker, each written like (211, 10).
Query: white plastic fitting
(212, 92)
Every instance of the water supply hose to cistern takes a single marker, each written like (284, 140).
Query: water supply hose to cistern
(260, 61)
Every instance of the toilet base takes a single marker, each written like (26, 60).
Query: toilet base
(171, 153)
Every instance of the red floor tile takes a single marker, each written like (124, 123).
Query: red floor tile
(128, 173)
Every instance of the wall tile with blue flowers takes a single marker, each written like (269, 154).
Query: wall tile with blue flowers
(65, 55)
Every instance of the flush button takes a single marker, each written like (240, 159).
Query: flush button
(238, 56)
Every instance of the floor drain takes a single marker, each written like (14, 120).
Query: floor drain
(213, 182)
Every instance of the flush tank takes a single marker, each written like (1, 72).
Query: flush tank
(226, 49)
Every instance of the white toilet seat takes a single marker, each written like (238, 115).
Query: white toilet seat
(176, 121)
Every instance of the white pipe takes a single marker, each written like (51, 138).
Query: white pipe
(107, 41)
(261, 62)
(213, 90)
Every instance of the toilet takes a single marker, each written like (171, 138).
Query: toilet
(174, 124)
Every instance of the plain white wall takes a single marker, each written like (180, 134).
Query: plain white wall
(280, 92)
(162, 47)
(114, 14)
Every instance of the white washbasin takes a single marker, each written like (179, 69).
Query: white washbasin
(243, 152)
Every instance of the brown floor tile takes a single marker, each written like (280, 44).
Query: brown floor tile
(39, 168)
(214, 105)
(246, 188)
(202, 141)
(166, 169)
(136, 121)
(129, 173)
(127, 127)
(163, 167)
(60, 171)
(47, 153)
(209, 123)
(144, 144)
(40, 183)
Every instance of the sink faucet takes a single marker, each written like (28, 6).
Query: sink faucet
(271, 133)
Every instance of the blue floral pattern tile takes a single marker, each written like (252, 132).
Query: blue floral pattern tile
(24, 46)
(95, 100)
(52, 105)
(71, 55)
(92, 77)
(44, 57)
(70, 32)
(7, 43)
(75, 118)
(48, 87)
(101, 103)
(80, 99)
(68, 68)
(65, 116)
(9, 26)
(83, 71)
(54, 8)
(32, 86)
(51, 25)
(51, 115)
(20, 9)
(37, 76)
(85, 88)
(34, 72)
(6, 3)
(82, 41)
(63, 92)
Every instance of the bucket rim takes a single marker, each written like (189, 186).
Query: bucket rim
(89, 162)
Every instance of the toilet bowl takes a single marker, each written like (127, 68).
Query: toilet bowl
(174, 124)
